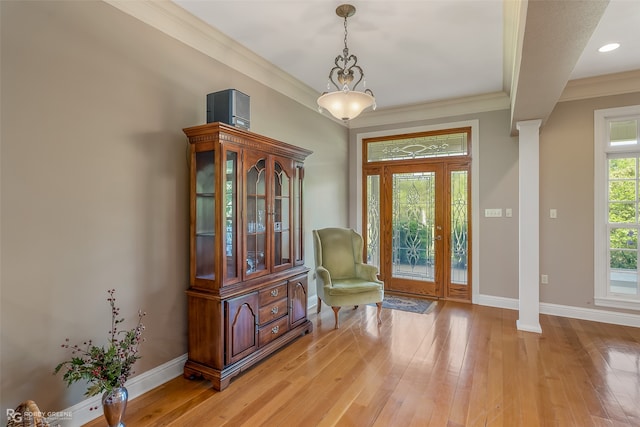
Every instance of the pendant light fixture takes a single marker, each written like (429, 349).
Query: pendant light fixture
(345, 103)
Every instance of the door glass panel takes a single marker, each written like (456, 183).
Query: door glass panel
(230, 212)
(281, 219)
(373, 220)
(413, 248)
(256, 218)
(205, 215)
(459, 229)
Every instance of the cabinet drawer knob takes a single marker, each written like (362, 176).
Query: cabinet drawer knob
(275, 329)
(274, 293)
(274, 310)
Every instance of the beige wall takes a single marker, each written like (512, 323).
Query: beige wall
(566, 184)
(94, 182)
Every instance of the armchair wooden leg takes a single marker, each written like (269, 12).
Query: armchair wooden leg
(379, 304)
(335, 313)
(319, 305)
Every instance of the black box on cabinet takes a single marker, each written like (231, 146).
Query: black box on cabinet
(229, 106)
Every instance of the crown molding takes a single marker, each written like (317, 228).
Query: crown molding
(606, 85)
(176, 22)
(432, 110)
(179, 24)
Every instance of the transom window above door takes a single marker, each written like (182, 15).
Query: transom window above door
(418, 146)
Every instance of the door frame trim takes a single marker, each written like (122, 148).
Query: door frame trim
(355, 184)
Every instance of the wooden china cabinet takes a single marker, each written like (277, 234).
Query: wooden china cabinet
(248, 283)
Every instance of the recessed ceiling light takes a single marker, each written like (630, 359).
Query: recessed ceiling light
(609, 47)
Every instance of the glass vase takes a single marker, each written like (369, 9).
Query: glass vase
(114, 403)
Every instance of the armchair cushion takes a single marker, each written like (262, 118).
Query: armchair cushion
(352, 286)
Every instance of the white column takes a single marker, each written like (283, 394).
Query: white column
(529, 231)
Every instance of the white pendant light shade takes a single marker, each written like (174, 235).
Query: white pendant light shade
(346, 105)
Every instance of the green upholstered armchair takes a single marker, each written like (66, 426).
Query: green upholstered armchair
(341, 276)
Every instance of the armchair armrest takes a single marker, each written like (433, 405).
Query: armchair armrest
(323, 278)
(367, 272)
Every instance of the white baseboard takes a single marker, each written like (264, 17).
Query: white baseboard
(499, 302)
(604, 316)
(80, 413)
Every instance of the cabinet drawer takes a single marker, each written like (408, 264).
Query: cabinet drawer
(272, 294)
(273, 330)
(272, 311)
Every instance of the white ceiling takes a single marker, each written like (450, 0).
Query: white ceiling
(416, 52)
(620, 23)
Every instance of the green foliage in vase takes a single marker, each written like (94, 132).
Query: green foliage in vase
(106, 367)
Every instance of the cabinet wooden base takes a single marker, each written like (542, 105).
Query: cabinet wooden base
(220, 379)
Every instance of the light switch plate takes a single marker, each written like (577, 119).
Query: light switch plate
(493, 213)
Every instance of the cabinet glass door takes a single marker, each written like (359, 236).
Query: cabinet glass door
(256, 218)
(231, 215)
(204, 235)
(282, 231)
(297, 216)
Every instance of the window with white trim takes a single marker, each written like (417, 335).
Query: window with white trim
(617, 207)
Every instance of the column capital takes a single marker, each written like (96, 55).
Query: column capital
(529, 123)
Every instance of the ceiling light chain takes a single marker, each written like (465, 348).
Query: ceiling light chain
(346, 103)
(346, 49)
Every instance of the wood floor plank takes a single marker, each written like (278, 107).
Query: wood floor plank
(460, 365)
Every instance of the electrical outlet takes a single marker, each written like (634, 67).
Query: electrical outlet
(544, 279)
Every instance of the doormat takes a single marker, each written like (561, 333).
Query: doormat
(412, 305)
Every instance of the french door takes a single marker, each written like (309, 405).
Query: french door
(417, 221)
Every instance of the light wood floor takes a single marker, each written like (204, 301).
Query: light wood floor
(460, 365)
